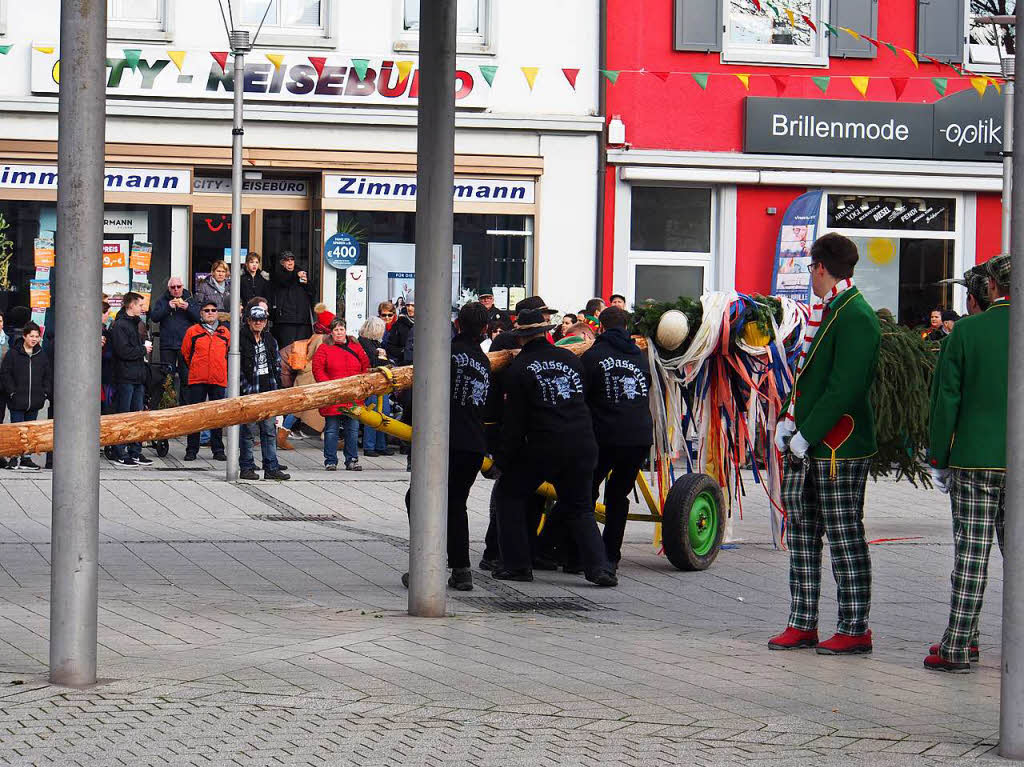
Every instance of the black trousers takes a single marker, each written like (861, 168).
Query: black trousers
(624, 462)
(463, 466)
(572, 476)
(197, 393)
(534, 511)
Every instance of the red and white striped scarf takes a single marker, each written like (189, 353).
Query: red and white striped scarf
(813, 323)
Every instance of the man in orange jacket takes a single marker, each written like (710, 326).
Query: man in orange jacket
(205, 351)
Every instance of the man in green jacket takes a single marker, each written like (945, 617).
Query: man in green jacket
(967, 453)
(829, 432)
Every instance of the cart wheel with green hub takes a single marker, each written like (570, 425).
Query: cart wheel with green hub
(693, 522)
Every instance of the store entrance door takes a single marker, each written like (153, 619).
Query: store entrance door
(211, 238)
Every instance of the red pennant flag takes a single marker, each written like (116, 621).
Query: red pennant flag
(871, 40)
(899, 84)
(781, 81)
(936, 62)
(663, 76)
(808, 22)
(221, 57)
(318, 63)
(756, 5)
(571, 75)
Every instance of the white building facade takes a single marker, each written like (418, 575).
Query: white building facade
(330, 144)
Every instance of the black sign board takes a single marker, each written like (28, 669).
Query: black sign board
(927, 214)
(961, 126)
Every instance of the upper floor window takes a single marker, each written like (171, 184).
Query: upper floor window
(139, 19)
(474, 18)
(286, 22)
(3, 17)
(768, 36)
(986, 43)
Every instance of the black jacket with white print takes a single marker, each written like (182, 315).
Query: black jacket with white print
(618, 382)
(471, 384)
(545, 406)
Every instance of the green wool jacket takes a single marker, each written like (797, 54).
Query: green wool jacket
(967, 429)
(836, 379)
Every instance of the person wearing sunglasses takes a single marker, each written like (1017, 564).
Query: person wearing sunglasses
(205, 350)
(175, 312)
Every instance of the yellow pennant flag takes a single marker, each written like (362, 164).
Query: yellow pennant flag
(178, 57)
(530, 73)
(792, 18)
(43, 48)
(851, 32)
(912, 57)
(861, 84)
(404, 70)
(996, 84)
(745, 79)
(277, 59)
(979, 84)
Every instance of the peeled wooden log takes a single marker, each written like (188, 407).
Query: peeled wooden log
(145, 426)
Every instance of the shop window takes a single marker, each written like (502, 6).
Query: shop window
(139, 19)
(289, 230)
(986, 43)
(667, 281)
(474, 18)
(287, 22)
(211, 241)
(766, 35)
(3, 17)
(673, 219)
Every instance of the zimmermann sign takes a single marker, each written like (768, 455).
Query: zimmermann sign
(958, 127)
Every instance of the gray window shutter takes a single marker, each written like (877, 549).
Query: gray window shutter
(698, 25)
(940, 29)
(860, 16)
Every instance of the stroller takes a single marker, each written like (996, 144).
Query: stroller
(153, 398)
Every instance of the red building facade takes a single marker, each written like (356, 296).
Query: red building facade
(728, 118)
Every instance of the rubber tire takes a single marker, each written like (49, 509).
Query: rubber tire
(676, 518)
(163, 447)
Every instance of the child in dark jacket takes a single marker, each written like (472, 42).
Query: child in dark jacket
(27, 380)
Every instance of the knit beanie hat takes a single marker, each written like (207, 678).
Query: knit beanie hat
(324, 318)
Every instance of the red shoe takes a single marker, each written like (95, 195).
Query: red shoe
(975, 654)
(793, 639)
(938, 663)
(844, 644)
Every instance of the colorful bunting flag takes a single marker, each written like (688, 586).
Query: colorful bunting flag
(405, 69)
(871, 40)
(756, 5)
(745, 79)
(611, 74)
(980, 84)
(899, 84)
(277, 59)
(318, 62)
(360, 66)
(822, 83)
(861, 84)
(850, 32)
(530, 73)
(131, 57)
(997, 85)
(831, 30)
(221, 57)
(488, 71)
(663, 76)
(912, 57)
(940, 84)
(5, 49)
(571, 75)
(791, 17)
(701, 78)
(781, 81)
(892, 48)
(808, 22)
(47, 49)
(178, 57)
(934, 61)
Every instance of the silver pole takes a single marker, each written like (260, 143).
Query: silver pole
(435, 180)
(1011, 697)
(74, 530)
(1008, 93)
(240, 45)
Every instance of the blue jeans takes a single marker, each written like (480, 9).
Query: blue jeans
(268, 444)
(373, 439)
(128, 399)
(331, 426)
(289, 421)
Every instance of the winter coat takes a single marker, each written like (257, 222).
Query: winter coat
(310, 418)
(617, 379)
(26, 380)
(128, 351)
(251, 382)
(334, 361)
(206, 292)
(370, 347)
(206, 354)
(396, 338)
(174, 323)
(292, 300)
(253, 285)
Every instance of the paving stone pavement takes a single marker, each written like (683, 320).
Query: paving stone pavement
(264, 623)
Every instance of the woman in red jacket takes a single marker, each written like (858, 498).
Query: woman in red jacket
(342, 356)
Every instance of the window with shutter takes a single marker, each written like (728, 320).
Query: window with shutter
(698, 25)
(769, 35)
(986, 43)
(859, 15)
(940, 29)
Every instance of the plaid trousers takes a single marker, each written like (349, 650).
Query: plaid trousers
(978, 499)
(833, 507)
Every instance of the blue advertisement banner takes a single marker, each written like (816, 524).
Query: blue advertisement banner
(797, 233)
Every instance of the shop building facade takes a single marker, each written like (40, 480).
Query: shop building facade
(730, 113)
(330, 144)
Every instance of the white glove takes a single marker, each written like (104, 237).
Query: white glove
(940, 478)
(784, 429)
(798, 445)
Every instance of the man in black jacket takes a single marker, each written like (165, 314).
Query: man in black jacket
(175, 312)
(129, 370)
(292, 302)
(618, 384)
(547, 435)
(260, 372)
(470, 385)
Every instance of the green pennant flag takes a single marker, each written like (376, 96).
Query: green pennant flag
(701, 78)
(940, 84)
(360, 66)
(488, 71)
(832, 30)
(131, 58)
(821, 82)
(892, 48)
(611, 74)
(5, 49)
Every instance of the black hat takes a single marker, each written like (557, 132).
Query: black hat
(531, 322)
(534, 303)
(613, 296)
(949, 315)
(485, 292)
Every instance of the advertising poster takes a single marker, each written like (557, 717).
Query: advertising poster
(878, 271)
(44, 252)
(500, 297)
(391, 271)
(355, 297)
(145, 290)
(401, 288)
(39, 294)
(515, 295)
(141, 256)
(797, 233)
(116, 275)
